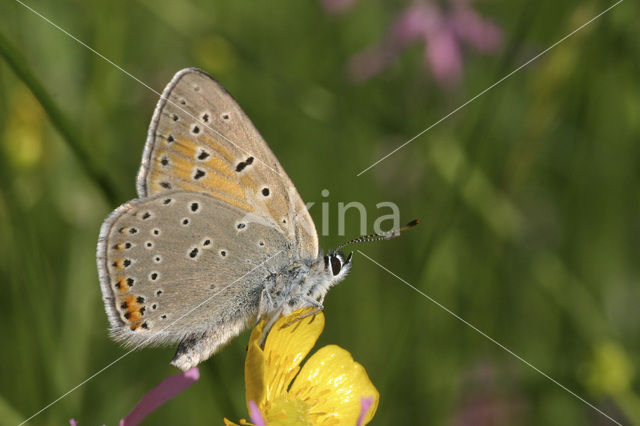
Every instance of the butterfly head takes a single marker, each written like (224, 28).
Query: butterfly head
(336, 265)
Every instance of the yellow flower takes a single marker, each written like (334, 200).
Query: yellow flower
(327, 390)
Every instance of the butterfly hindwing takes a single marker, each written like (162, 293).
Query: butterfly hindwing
(178, 263)
(200, 140)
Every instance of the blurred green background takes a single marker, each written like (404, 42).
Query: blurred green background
(528, 199)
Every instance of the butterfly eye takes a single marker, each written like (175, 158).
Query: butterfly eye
(336, 265)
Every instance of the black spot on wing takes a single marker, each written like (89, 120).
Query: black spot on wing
(243, 164)
(199, 174)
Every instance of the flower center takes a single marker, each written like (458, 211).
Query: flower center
(287, 412)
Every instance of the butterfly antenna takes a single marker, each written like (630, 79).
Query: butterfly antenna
(381, 236)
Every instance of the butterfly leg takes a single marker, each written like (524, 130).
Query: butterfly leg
(276, 315)
(315, 303)
(267, 327)
(311, 302)
(263, 305)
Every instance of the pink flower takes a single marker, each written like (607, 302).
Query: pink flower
(166, 390)
(337, 6)
(163, 392)
(256, 415)
(365, 404)
(444, 34)
(444, 57)
(481, 34)
(488, 399)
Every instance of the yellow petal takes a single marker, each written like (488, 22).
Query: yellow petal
(254, 379)
(288, 343)
(333, 384)
(269, 372)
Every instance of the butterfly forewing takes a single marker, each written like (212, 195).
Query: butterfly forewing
(200, 140)
(180, 262)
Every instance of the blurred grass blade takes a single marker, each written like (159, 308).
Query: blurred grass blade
(59, 120)
(8, 415)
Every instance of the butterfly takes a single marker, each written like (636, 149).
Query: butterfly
(218, 237)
